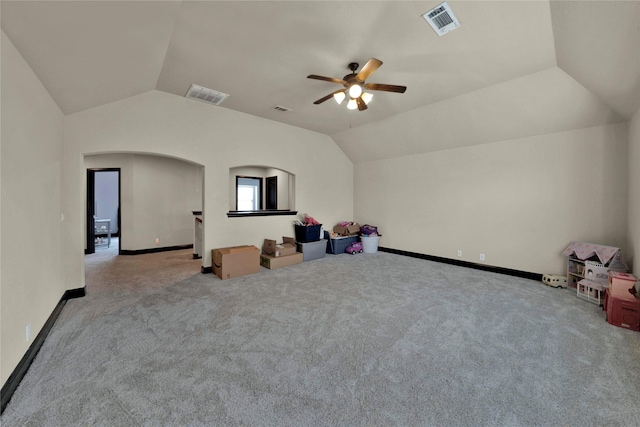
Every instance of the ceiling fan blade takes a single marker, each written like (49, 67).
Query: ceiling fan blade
(385, 88)
(327, 79)
(372, 65)
(361, 104)
(321, 100)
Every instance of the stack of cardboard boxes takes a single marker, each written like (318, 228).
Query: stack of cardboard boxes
(275, 255)
(243, 260)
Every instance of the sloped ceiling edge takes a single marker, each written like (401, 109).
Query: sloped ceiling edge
(544, 102)
(598, 44)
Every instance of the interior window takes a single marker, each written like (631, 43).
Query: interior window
(260, 191)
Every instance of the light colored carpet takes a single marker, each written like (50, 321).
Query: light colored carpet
(364, 340)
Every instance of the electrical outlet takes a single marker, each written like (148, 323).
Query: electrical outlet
(481, 257)
(157, 241)
(28, 332)
(459, 252)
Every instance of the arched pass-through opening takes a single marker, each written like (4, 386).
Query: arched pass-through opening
(160, 199)
(260, 191)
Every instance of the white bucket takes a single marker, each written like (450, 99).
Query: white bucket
(370, 244)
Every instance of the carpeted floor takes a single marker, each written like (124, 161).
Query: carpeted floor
(364, 340)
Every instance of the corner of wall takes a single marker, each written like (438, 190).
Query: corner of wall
(633, 188)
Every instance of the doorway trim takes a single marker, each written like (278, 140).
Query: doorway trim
(271, 193)
(90, 209)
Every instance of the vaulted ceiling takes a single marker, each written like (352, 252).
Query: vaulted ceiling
(512, 69)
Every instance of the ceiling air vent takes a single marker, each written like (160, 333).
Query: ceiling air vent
(281, 108)
(204, 94)
(441, 19)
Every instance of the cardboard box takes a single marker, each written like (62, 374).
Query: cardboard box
(349, 230)
(235, 261)
(288, 247)
(272, 262)
(312, 250)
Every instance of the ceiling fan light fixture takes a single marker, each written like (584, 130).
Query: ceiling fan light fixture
(354, 85)
(355, 90)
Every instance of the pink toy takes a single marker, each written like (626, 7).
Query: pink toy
(353, 248)
(309, 220)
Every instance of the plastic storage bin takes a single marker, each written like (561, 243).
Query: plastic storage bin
(312, 250)
(310, 233)
(370, 244)
(339, 245)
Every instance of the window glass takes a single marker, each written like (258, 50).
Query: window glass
(248, 193)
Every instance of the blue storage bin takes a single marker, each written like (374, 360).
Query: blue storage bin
(307, 233)
(339, 245)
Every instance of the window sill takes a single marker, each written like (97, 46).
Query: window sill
(240, 214)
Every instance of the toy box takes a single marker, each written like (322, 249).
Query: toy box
(622, 308)
(625, 280)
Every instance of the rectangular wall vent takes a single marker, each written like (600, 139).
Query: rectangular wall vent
(207, 95)
(441, 19)
(281, 108)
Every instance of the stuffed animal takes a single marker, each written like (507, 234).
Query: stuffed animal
(309, 220)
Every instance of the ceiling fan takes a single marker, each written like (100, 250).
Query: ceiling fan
(355, 86)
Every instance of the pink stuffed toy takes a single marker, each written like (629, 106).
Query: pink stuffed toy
(309, 220)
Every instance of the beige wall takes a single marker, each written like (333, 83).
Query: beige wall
(32, 278)
(218, 139)
(519, 202)
(165, 191)
(634, 191)
(157, 197)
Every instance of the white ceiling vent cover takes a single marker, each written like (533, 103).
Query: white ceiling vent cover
(204, 94)
(281, 108)
(441, 19)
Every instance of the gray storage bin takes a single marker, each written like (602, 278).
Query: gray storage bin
(312, 250)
